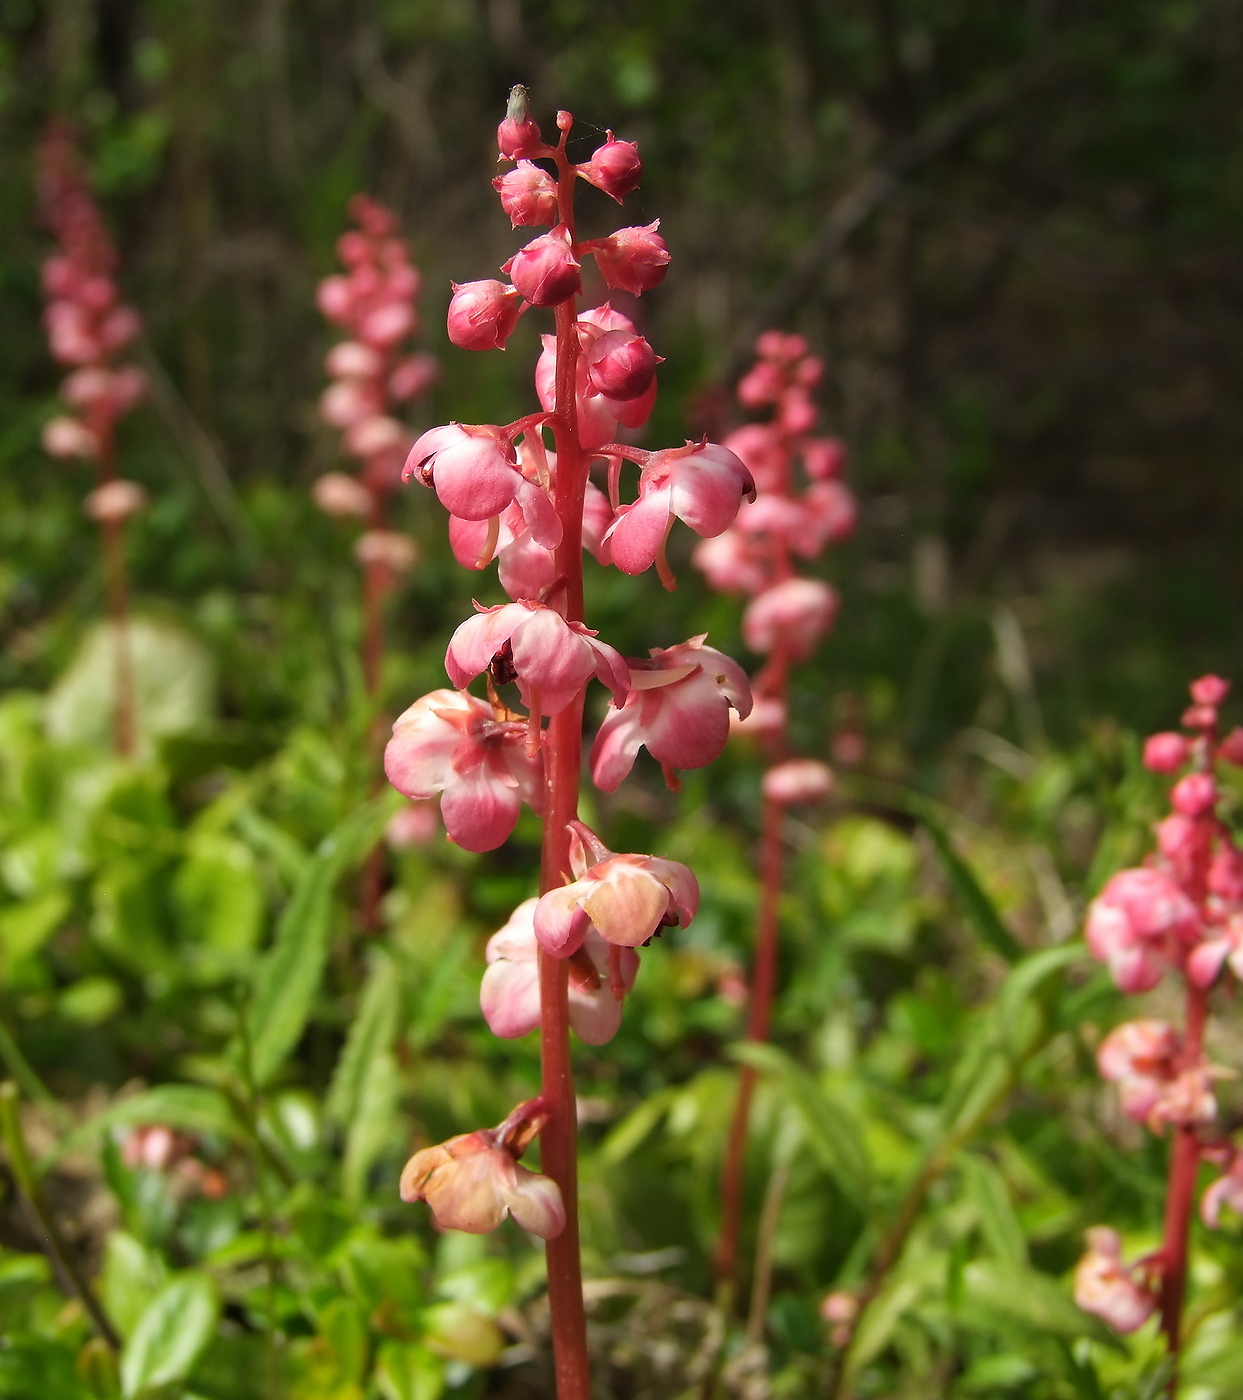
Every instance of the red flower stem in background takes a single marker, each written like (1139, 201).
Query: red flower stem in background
(1180, 1194)
(112, 536)
(563, 766)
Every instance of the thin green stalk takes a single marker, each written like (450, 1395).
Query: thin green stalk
(28, 1080)
(24, 1174)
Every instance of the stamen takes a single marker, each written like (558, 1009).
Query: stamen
(489, 545)
(534, 732)
(617, 983)
(615, 466)
(672, 781)
(662, 563)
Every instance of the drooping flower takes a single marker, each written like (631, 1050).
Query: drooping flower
(796, 613)
(1144, 1058)
(482, 315)
(473, 1181)
(702, 484)
(1108, 1288)
(679, 704)
(600, 977)
(628, 898)
(1227, 1190)
(614, 167)
(546, 271)
(797, 780)
(528, 195)
(450, 743)
(632, 260)
(1166, 753)
(531, 643)
(1137, 924)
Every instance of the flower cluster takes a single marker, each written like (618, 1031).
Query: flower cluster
(373, 301)
(1179, 914)
(521, 494)
(88, 328)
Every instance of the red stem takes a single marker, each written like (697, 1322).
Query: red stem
(562, 748)
(1180, 1192)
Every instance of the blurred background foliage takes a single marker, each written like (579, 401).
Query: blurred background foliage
(1013, 231)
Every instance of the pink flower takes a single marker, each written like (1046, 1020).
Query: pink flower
(824, 458)
(472, 1182)
(337, 494)
(759, 447)
(413, 376)
(350, 359)
(627, 898)
(797, 780)
(1166, 753)
(546, 271)
(614, 167)
(474, 471)
(349, 401)
(796, 613)
(114, 502)
(66, 437)
(766, 720)
(598, 415)
(1227, 1190)
(633, 260)
(528, 195)
(701, 484)
(1231, 748)
(550, 658)
(518, 135)
(414, 825)
(1107, 1288)
(678, 706)
(1195, 795)
(482, 315)
(833, 511)
(1209, 690)
(621, 365)
(510, 995)
(386, 549)
(1137, 924)
(450, 743)
(1139, 1056)
(731, 563)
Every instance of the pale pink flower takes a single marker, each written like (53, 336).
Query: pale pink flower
(796, 613)
(614, 167)
(632, 260)
(482, 315)
(386, 549)
(450, 743)
(833, 512)
(766, 720)
(1109, 1289)
(472, 1182)
(1227, 1190)
(1140, 1057)
(627, 898)
(342, 496)
(1231, 747)
(1137, 924)
(797, 780)
(1166, 753)
(351, 359)
(730, 562)
(840, 1309)
(414, 825)
(702, 484)
(1209, 690)
(413, 376)
(114, 501)
(510, 995)
(348, 401)
(378, 436)
(678, 706)
(550, 658)
(67, 437)
(1224, 945)
(598, 414)
(528, 195)
(1194, 796)
(621, 365)
(758, 446)
(824, 459)
(546, 271)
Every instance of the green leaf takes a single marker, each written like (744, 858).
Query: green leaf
(976, 905)
(373, 1126)
(132, 1276)
(832, 1133)
(986, 1190)
(288, 977)
(408, 1372)
(342, 1326)
(26, 927)
(631, 1133)
(1032, 1299)
(193, 1108)
(371, 1033)
(170, 1335)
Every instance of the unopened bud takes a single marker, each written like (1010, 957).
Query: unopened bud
(518, 135)
(114, 501)
(342, 496)
(546, 270)
(482, 315)
(528, 195)
(614, 168)
(633, 259)
(1209, 690)
(389, 549)
(797, 780)
(351, 360)
(1166, 753)
(621, 365)
(1232, 748)
(66, 437)
(413, 377)
(1195, 795)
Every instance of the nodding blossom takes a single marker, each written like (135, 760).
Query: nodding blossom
(483, 315)
(600, 977)
(1115, 1292)
(794, 614)
(632, 260)
(451, 744)
(1146, 1061)
(1137, 926)
(678, 707)
(628, 899)
(797, 780)
(531, 643)
(1227, 1190)
(473, 1181)
(701, 484)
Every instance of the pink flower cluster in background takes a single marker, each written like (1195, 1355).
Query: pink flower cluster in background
(371, 374)
(88, 328)
(520, 494)
(1179, 915)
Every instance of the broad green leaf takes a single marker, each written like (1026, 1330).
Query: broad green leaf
(631, 1133)
(371, 1033)
(170, 1335)
(832, 1132)
(1030, 1298)
(460, 1333)
(976, 905)
(287, 979)
(219, 901)
(26, 927)
(373, 1125)
(405, 1371)
(986, 1189)
(342, 1326)
(132, 1276)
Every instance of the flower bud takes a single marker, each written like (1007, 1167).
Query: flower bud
(1232, 748)
(1209, 690)
(386, 549)
(349, 359)
(621, 365)
(114, 502)
(119, 327)
(546, 270)
(1195, 795)
(387, 324)
(614, 168)
(528, 195)
(482, 315)
(632, 259)
(413, 377)
(797, 780)
(335, 298)
(66, 437)
(342, 496)
(518, 135)
(1165, 753)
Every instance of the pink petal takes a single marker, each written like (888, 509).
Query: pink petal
(617, 746)
(535, 1203)
(595, 1015)
(551, 657)
(624, 901)
(637, 534)
(1205, 962)
(509, 998)
(560, 924)
(470, 1193)
(478, 639)
(687, 725)
(478, 811)
(417, 757)
(680, 881)
(611, 670)
(539, 513)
